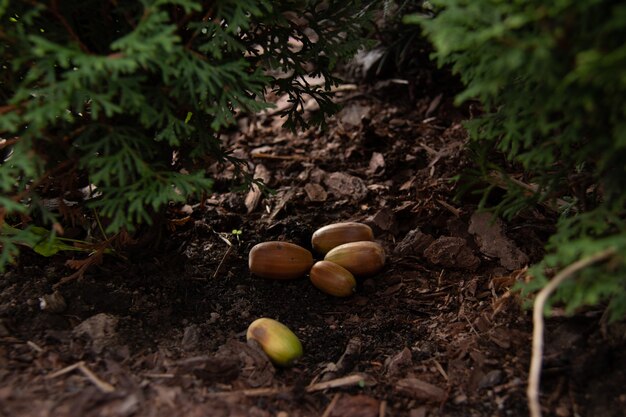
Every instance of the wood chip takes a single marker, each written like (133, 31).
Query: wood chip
(421, 390)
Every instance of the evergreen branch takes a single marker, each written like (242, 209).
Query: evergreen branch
(113, 104)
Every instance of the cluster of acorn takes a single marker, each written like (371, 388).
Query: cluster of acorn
(349, 251)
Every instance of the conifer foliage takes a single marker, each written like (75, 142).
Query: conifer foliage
(126, 99)
(550, 78)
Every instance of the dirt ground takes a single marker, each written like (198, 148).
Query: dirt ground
(436, 333)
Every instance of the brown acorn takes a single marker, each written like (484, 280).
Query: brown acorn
(332, 279)
(360, 258)
(279, 260)
(333, 235)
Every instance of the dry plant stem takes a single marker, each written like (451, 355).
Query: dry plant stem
(534, 374)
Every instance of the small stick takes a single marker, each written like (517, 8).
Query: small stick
(262, 155)
(5, 143)
(217, 270)
(252, 392)
(471, 326)
(382, 410)
(336, 383)
(331, 406)
(149, 375)
(450, 208)
(500, 180)
(440, 369)
(534, 374)
(64, 371)
(261, 392)
(100, 384)
(34, 346)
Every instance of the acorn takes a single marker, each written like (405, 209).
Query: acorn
(280, 344)
(279, 260)
(333, 235)
(332, 279)
(360, 258)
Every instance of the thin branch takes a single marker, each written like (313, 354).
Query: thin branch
(331, 406)
(347, 381)
(382, 408)
(102, 385)
(534, 374)
(41, 179)
(54, 8)
(498, 179)
(8, 108)
(219, 267)
(193, 36)
(5, 143)
(93, 378)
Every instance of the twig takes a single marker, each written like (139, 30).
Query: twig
(102, 385)
(382, 409)
(252, 392)
(63, 371)
(54, 9)
(166, 376)
(185, 20)
(450, 208)
(443, 373)
(331, 406)
(336, 383)
(349, 380)
(346, 361)
(34, 346)
(93, 378)
(556, 204)
(8, 108)
(534, 374)
(263, 155)
(217, 270)
(5, 143)
(471, 326)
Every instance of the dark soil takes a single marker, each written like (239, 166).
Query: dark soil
(437, 333)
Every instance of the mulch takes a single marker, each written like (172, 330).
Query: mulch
(439, 332)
